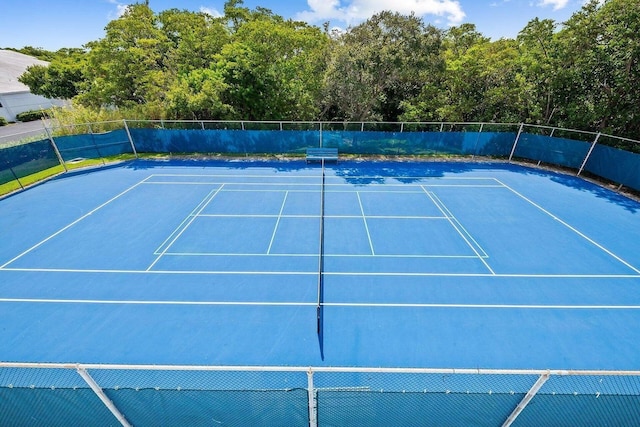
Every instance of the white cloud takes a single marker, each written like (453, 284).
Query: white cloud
(211, 12)
(121, 8)
(354, 11)
(557, 4)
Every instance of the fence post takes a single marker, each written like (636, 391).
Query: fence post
(515, 143)
(55, 147)
(475, 148)
(313, 404)
(320, 134)
(102, 396)
(527, 398)
(133, 147)
(16, 177)
(593, 145)
(96, 145)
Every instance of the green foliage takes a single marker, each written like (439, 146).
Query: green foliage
(61, 79)
(36, 52)
(255, 65)
(3, 121)
(273, 70)
(197, 95)
(30, 116)
(380, 63)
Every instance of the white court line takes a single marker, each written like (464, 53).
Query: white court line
(167, 272)
(315, 273)
(334, 255)
(444, 210)
(143, 302)
(453, 218)
(187, 218)
(270, 175)
(317, 216)
(72, 224)
(313, 304)
(491, 306)
(275, 229)
(579, 233)
(186, 225)
(310, 184)
(366, 226)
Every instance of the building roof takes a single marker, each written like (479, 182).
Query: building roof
(12, 66)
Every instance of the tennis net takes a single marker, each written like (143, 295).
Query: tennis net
(321, 257)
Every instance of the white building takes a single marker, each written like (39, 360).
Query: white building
(15, 98)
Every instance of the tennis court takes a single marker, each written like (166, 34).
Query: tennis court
(287, 265)
(423, 264)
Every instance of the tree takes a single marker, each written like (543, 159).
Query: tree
(380, 63)
(62, 78)
(197, 95)
(273, 70)
(540, 64)
(195, 38)
(127, 66)
(600, 77)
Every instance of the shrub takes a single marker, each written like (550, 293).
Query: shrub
(30, 116)
(3, 121)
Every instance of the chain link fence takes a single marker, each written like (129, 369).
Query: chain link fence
(605, 157)
(66, 394)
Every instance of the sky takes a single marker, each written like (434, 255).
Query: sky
(54, 24)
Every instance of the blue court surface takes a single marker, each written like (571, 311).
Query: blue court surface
(424, 264)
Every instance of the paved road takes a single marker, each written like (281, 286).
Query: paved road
(19, 131)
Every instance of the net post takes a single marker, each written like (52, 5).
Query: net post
(515, 143)
(321, 252)
(586, 158)
(313, 404)
(133, 147)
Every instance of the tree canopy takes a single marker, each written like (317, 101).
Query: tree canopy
(256, 65)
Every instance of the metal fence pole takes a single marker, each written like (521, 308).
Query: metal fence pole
(16, 177)
(55, 147)
(93, 140)
(133, 147)
(593, 145)
(515, 143)
(103, 397)
(526, 399)
(313, 404)
(475, 148)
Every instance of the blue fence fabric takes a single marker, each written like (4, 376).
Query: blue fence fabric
(93, 146)
(144, 397)
(617, 163)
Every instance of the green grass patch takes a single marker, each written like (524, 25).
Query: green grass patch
(86, 163)
(9, 184)
(13, 185)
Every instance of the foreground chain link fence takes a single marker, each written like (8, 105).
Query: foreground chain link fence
(77, 394)
(611, 159)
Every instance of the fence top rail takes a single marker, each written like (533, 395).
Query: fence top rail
(326, 122)
(91, 123)
(559, 128)
(314, 122)
(320, 369)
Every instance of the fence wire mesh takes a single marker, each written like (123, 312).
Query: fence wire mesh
(56, 395)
